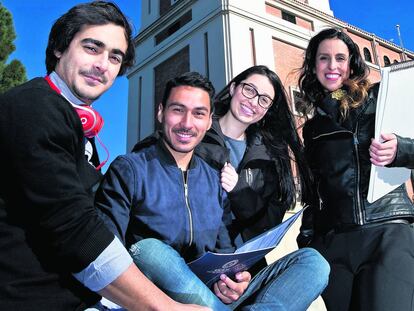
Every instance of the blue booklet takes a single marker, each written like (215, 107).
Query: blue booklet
(209, 266)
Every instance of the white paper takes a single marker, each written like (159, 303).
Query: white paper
(394, 114)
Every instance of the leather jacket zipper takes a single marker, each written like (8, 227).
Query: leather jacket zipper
(187, 204)
(360, 219)
(319, 196)
(249, 176)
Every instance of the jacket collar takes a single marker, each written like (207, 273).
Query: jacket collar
(213, 149)
(322, 123)
(164, 154)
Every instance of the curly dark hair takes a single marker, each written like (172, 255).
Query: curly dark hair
(357, 84)
(279, 134)
(94, 13)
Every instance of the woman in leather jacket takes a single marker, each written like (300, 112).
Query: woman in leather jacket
(253, 141)
(370, 246)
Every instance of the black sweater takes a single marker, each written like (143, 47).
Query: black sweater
(48, 226)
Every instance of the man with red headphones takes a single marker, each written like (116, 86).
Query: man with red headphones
(55, 250)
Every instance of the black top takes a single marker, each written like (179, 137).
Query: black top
(48, 226)
(255, 198)
(338, 153)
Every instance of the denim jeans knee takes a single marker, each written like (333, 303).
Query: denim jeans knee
(304, 271)
(167, 269)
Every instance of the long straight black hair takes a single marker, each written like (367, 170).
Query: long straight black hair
(278, 130)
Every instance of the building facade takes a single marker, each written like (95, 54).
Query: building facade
(220, 38)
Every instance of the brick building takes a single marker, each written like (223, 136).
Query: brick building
(220, 38)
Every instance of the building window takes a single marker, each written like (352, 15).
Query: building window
(168, 69)
(165, 5)
(178, 24)
(299, 109)
(289, 17)
(139, 106)
(206, 55)
(253, 45)
(387, 61)
(367, 55)
(297, 102)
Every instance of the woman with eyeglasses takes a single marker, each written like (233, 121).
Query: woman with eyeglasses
(253, 141)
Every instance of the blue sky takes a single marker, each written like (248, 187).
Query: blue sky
(33, 20)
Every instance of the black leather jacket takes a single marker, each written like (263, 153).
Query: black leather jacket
(338, 155)
(254, 200)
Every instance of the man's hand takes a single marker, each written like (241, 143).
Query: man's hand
(229, 177)
(228, 290)
(383, 153)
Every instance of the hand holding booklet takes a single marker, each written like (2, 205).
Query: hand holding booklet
(210, 266)
(394, 114)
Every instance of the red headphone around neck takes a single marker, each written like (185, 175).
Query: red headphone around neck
(92, 121)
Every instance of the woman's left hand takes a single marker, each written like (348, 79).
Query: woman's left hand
(229, 177)
(383, 153)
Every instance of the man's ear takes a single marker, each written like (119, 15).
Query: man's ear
(57, 54)
(160, 113)
(210, 122)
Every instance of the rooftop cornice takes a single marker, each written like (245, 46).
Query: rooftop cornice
(181, 6)
(338, 22)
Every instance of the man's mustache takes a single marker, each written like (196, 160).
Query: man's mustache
(96, 74)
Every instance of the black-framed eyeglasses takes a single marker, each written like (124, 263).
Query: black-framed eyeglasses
(250, 92)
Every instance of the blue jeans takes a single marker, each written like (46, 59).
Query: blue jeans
(290, 283)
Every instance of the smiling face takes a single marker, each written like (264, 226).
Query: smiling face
(247, 110)
(332, 64)
(185, 119)
(92, 61)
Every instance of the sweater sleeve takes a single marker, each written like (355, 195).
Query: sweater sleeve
(115, 196)
(45, 158)
(113, 261)
(405, 153)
